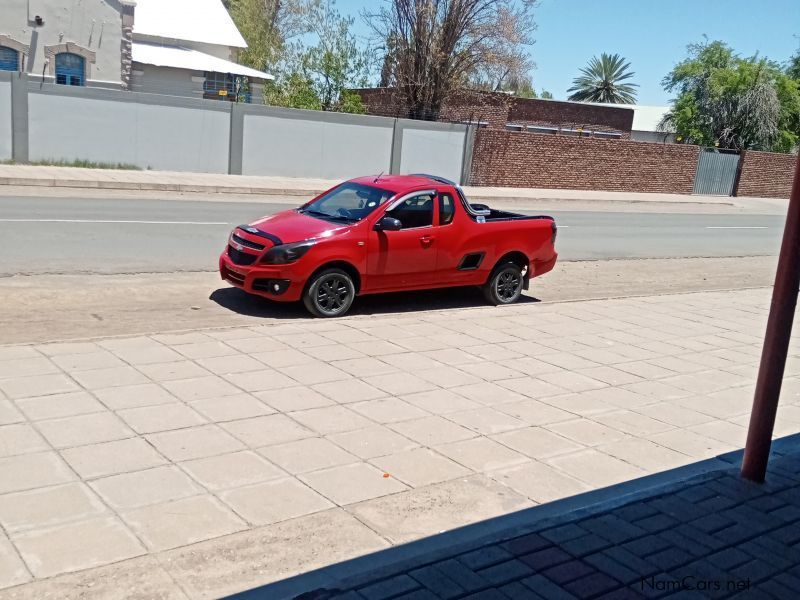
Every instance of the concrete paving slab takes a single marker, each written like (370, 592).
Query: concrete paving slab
(122, 456)
(46, 507)
(420, 467)
(52, 551)
(231, 470)
(351, 483)
(310, 454)
(274, 501)
(142, 488)
(182, 522)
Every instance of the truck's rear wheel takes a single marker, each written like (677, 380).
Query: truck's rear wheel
(330, 293)
(504, 285)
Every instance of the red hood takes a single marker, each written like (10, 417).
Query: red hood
(290, 226)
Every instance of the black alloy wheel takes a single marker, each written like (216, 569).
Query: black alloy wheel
(329, 294)
(504, 285)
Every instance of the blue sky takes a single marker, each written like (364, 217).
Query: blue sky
(651, 34)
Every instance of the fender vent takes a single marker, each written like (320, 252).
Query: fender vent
(470, 262)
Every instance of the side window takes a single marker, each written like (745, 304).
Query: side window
(447, 209)
(416, 211)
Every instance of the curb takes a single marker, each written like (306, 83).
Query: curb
(165, 187)
(310, 192)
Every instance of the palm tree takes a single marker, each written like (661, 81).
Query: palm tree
(601, 81)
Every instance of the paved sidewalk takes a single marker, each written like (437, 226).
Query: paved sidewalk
(711, 536)
(207, 463)
(118, 179)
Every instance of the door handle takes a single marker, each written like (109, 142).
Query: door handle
(426, 240)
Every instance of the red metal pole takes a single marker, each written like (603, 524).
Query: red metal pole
(776, 343)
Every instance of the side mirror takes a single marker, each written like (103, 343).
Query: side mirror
(388, 224)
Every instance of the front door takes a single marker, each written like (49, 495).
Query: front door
(405, 258)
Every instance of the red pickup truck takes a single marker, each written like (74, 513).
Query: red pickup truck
(386, 234)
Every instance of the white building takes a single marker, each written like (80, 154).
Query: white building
(189, 48)
(174, 47)
(645, 123)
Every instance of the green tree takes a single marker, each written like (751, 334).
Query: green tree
(318, 70)
(602, 80)
(545, 95)
(732, 102)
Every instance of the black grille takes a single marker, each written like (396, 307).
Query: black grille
(243, 242)
(241, 258)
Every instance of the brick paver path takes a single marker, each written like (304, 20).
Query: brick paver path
(712, 536)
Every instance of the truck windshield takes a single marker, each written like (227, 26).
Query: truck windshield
(349, 201)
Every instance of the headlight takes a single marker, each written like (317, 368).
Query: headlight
(287, 253)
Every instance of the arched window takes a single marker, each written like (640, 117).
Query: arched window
(70, 69)
(9, 59)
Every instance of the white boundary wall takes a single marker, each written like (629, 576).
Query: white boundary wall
(60, 123)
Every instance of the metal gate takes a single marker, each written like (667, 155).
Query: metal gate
(716, 172)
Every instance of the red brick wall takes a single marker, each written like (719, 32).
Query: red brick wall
(570, 114)
(497, 109)
(491, 108)
(766, 174)
(511, 159)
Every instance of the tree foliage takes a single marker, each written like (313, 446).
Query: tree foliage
(733, 102)
(604, 80)
(433, 47)
(267, 26)
(308, 46)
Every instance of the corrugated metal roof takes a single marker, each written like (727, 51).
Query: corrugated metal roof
(192, 20)
(185, 58)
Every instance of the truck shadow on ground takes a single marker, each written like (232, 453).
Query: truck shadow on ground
(242, 303)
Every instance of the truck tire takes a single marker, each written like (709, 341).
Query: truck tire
(329, 293)
(504, 285)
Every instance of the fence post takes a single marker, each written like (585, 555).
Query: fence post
(236, 140)
(738, 177)
(397, 147)
(466, 156)
(19, 118)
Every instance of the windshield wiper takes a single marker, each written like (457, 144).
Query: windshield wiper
(323, 215)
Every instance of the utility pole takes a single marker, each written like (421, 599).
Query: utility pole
(776, 343)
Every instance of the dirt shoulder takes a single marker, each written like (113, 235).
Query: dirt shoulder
(59, 307)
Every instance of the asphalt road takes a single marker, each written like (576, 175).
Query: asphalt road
(93, 235)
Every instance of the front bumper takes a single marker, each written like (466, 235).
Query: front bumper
(276, 282)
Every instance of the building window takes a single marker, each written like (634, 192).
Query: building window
(543, 129)
(607, 135)
(578, 132)
(224, 86)
(479, 124)
(514, 127)
(9, 59)
(70, 69)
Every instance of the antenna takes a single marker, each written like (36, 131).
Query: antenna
(378, 177)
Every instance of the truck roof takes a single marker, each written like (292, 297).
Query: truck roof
(398, 183)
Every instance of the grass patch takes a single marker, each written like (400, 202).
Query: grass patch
(80, 163)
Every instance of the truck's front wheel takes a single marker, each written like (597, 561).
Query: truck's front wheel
(504, 285)
(330, 293)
